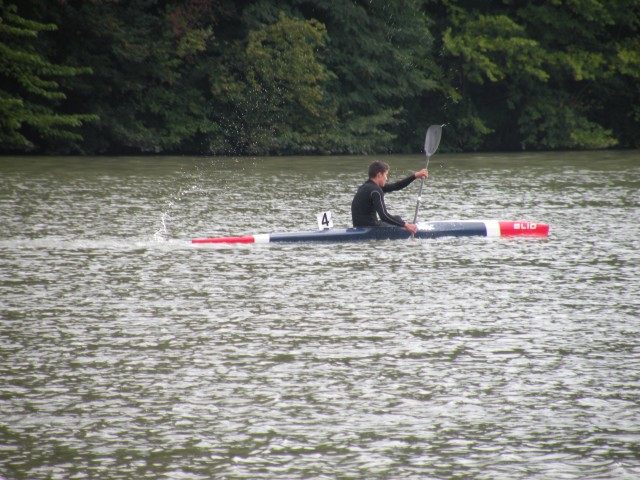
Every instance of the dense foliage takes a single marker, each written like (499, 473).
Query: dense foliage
(317, 76)
(30, 93)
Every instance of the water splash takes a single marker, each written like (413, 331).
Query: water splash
(162, 233)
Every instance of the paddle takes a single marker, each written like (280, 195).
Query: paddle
(431, 142)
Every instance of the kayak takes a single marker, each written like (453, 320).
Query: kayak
(426, 230)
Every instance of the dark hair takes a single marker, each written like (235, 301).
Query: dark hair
(377, 167)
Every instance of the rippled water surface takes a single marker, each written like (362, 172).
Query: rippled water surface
(126, 352)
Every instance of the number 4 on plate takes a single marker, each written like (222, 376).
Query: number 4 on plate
(324, 221)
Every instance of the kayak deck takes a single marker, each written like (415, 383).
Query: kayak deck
(426, 230)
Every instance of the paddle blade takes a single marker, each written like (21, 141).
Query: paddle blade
(432, 139)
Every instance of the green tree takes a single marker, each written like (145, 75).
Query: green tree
(381, 54)
(269, 90)
(578, 40)
(541, 74)
(30, 93)
(149, 87)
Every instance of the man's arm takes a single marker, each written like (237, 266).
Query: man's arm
(381, 208)
(392, 187)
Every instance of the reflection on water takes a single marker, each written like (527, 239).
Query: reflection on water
(127, 352)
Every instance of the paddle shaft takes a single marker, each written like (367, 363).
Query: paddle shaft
(415, 217)
(431, 142)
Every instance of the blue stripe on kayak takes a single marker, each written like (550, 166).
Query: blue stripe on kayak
(453, 229)
(432, 230)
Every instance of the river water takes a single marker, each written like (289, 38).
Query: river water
(126, 352)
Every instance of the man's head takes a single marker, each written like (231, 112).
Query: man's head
(378, 172)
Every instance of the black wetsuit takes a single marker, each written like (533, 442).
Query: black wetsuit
(369, 200)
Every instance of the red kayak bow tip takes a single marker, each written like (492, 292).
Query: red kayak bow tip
(523, 229)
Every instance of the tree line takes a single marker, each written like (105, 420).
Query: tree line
(259, 77)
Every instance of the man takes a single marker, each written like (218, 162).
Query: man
(369, 199)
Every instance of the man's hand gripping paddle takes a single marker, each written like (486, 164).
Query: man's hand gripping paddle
(431, 142)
